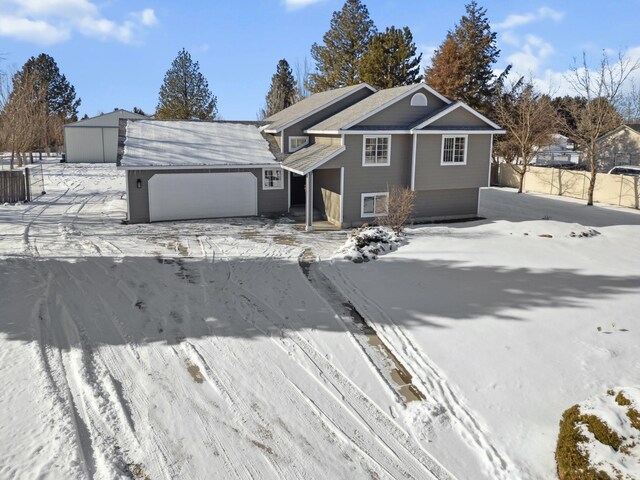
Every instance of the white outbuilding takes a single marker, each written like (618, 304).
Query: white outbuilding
(95, 140)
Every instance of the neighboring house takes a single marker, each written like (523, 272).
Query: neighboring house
(337, 152)
(560, 152)
(620, 146)
(95, 140)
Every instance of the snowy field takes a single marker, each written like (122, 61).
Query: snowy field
(199, 349)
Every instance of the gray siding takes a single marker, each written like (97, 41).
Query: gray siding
(299, 128)
(330, 139)
(459, 118)
(430, 175)
(446, 203)
(269, 201)
(326, 193)
(402, 114)
(359, 179)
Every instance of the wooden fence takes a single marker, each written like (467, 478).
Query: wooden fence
(13, 187)
(622, 190)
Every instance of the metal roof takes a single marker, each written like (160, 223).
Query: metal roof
(183, 143)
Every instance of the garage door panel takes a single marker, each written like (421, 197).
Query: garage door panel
(184, 196)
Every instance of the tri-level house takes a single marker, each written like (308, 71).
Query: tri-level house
(337, 153)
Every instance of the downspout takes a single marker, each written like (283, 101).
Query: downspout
(309, 209)
(413, 162)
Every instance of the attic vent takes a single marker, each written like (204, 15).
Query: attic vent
(419, 100)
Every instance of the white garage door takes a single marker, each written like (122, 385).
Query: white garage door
(182, 196)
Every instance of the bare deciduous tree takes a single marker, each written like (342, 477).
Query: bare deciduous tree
(630, 104)
(530, 121)
(400, 204)
(24, 116)
(601, 87)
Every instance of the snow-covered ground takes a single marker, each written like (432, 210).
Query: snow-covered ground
(511, 321)
(200, 350)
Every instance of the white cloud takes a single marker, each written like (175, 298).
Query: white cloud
(297, 4)
(148, 17)
(29, 30)
(54, 21)
(519, 19)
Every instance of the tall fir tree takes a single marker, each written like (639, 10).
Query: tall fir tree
(462, 67)
(391, 61)
(60, 95)
(283, 91)
(185, 94)
(338, 59)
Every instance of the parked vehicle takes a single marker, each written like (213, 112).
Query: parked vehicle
(626, 170)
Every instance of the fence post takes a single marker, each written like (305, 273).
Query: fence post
(27, 183)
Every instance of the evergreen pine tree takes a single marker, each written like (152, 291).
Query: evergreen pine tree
(283, 92)
(60, 94)
(337, 60)
(391, 61)
(185, 94)
(462, 67)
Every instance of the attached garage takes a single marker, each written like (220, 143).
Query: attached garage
(95, 140)
(183, 196)
(185, 170)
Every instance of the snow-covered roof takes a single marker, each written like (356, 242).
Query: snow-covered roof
(176, 143)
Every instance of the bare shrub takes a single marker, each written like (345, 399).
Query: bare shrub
(400, 205)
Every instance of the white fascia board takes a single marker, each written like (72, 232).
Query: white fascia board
(322, 132)
(266, 130)
(319, 109)
(198, 167)
(289, 169)
(453, 107)
(435, 93)
(411, 91)
(375, 132)
(458, 132)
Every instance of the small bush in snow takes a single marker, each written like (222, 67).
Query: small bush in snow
(366, 243)
(399, 208)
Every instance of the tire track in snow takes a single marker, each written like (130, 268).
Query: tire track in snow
(414, 461)
(434, 381)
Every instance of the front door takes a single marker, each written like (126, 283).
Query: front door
(298, 186)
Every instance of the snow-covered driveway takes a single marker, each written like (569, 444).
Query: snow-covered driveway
(192, 350)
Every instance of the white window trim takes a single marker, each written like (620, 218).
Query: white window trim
(373, 194)
(364, 151)
(281, 187)
(417, 100)
(297, 137)
(466, 146)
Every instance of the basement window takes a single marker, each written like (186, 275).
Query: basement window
(374, 204)
(272, 179)
(296, 143)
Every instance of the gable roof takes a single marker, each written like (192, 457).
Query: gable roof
(192, 144)
(445, 111)
(309, 106)
(370, 106)
(633, 127)
(105, 119)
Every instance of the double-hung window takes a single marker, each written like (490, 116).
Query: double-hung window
(376, 151)
(454, 150)
(374, 204)
(272, 179)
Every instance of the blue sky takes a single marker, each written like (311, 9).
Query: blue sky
(116, 52)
